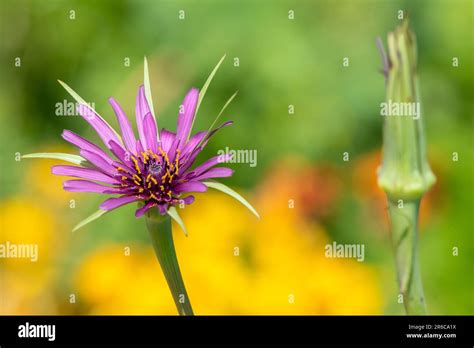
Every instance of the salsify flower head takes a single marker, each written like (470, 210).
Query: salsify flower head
(154, 169)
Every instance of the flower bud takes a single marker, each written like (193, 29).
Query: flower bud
(405, 172)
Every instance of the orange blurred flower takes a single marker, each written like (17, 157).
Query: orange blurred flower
(366, 186)
(312, 190)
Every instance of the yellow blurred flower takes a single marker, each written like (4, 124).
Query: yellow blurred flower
(42, 184)
(112, 281)
(24, 221)
(26, 282)
(214, 258)
(296, 277)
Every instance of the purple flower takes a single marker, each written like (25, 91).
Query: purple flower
(154, 169)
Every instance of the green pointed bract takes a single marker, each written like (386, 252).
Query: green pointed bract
(148, 96)
(81, 101)
(75, 159)
(175, 216)
(218, 116)
(73, 93)
(204, 88)
(222, 111)
(89, 219)
(223, 188)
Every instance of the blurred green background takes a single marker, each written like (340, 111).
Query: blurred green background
(281, 268)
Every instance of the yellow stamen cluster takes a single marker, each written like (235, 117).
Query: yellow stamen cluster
(145, 157)
(145, 184)
(170, 167)
(135, 162)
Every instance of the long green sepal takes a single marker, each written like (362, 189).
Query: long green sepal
(217, 118)
(89, 219)
(81, 101)
(146, 83)
(75, 159)
(204, 88)
(161, 235)
(73, 93)
(175, 216)
(223, 188)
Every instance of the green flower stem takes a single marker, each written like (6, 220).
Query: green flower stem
(161, 235)
(404, 232)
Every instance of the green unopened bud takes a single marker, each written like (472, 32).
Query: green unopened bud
(405, 172)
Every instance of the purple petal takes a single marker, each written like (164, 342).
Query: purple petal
(192, 186)
(210, 163)
(83, 173)
(186, 116)
(141, 110)
(103, 129)
(120, 153)
(193, 142)
(163, 208)
(150, 132)
(219, 172)
(166, 138)
(125, 126)
(172, 149)
(85, 144)
(140, 211)
(189, 159)
(99, 162)
(85, 186)
(187, 200)
(139, 147)
(116, 202)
